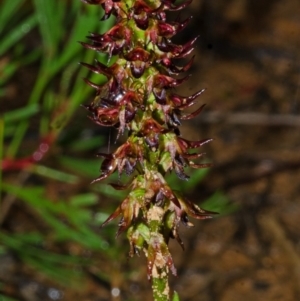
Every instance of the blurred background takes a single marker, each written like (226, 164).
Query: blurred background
(51, 246)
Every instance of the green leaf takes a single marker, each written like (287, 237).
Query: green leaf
(220, 203)
(138, 193)
(144, 231)
(22, 113)
(82, 200)
(196, 177)
(85, 144)
(53, 271)
(8, 10)
(89, 168)
(108, 191)
(187, 186)
(5, 298)
(8, 70)
(53, 174)
(50, 23)
(175, 297)
(49, 211)
(165, 160)
(26, 193)
(17, 33)
(29, 244)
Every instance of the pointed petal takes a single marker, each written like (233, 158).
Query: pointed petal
(193, 156)
(119, 187)
(192, 115)
(114, 215)
(203, 165)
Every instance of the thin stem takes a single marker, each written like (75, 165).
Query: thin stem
(160, 285)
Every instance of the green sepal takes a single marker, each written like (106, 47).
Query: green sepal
(175, 297)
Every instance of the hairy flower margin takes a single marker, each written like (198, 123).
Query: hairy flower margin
(139, 98)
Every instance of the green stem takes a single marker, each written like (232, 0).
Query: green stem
(160, 284)
(157, 250)
(22, 127)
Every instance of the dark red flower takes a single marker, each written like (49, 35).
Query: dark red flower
(139, 99)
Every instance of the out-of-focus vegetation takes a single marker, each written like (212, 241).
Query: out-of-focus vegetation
(41, 37)
(50, 215)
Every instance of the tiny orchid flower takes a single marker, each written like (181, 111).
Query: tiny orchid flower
(138, 98)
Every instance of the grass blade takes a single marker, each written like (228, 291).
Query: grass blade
(17, 33)
(53, 174)
(20, 114)
(8, 10)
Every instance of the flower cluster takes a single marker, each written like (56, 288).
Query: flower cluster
(138, 97)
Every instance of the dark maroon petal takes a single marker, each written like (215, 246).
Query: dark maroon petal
(164, 45)
(89, 108)
(167, 81)
(150, 126)
(106, 16)
(137, 68)
(175, 235)
(192, 144)
(187, 101)
(176, 70)
(179, 81)
(91, 67)
(132, 97)
(98, 68)
(196, 144)
(112, 216)
(130, 166)
(129, 115)
(174, 119)
(140, 7)
(129, 209)
(108, 165)
(103, 122)
(105, 156)
(93, 85)
(107, 6)
(194, 211)
(170, 195)
(176, 131)
(192, 115)
(180, 173)
(185, 220)
(106, 116)
(101, 177)
(179, 159)
(203, 165)
(89, 46)
(182, 24)
(160, 96)
(171, 7)
(138, 54)
(187, 48)
(159, 198)
(166, 29)
(171, 265)
(141, 21)
(193, 156)
(119, 187)
(152, 141)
